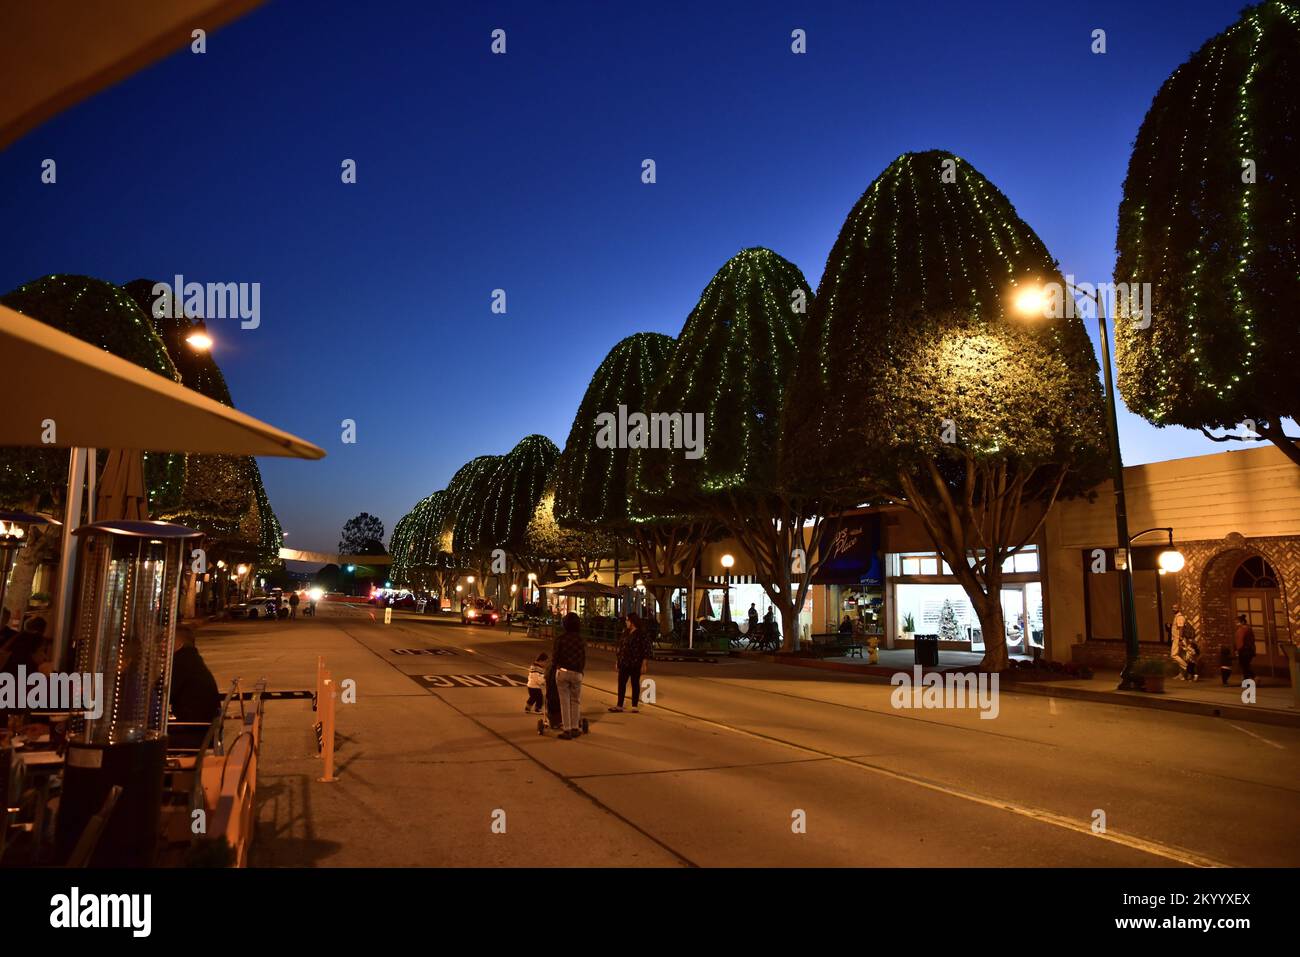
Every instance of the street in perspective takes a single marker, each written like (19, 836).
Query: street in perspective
(634, 460)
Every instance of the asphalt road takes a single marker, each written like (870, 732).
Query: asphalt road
(738, 763)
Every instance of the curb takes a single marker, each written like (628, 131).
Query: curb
(1138, 699)
(1132, 699)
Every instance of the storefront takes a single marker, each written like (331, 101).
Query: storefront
(852, 577)
(1235, 519)
(923, 586)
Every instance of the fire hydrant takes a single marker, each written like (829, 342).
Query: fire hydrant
(873, 656)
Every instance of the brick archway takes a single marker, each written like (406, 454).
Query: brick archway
(1206, 592)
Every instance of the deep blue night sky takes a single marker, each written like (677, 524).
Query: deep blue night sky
(523, 172)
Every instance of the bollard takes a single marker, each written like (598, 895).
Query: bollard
(320, 676)
(327, 732)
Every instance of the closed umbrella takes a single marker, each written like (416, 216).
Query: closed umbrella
(122, 495)
(706, 607)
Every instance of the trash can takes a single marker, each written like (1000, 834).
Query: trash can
(926, 650)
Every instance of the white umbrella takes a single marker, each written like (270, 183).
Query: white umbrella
(76, 395)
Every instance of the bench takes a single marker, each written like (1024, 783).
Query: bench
(835, 644)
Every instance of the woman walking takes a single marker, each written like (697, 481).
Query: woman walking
(633, 649)
(570, 656)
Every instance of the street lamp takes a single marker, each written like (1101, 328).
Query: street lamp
(1033, 302)
(532, 586)
(727, 561)
(1169, 561)
(198, 337)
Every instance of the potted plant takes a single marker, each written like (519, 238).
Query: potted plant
(909, 626)
(1153, 672)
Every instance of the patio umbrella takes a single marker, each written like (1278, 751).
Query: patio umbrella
(99, 400)
(706, 607)
(588, 589)
(61, 52)
(121, 493)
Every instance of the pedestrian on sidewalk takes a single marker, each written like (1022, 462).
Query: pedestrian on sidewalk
(536, 682)
(1183, 648)
(570, 654)
(1225, 663)
(632, 651)
(1244, 642)
(293, 604)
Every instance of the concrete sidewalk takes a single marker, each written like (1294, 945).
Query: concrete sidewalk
(1274, 702)
(405, 795)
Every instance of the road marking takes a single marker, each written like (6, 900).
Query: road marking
(471, 681)
(1155, 848)
(1259, 737)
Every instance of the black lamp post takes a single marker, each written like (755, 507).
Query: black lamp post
(1030, 302)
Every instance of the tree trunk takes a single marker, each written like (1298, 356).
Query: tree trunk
(1289, 448)
(992, 624)
(43, 544)
(789, 625)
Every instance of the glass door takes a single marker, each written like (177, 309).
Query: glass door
(1014, 619)
(1266, 613)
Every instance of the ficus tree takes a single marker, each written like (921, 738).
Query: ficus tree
(919, 383)
(1210, 220)
(592, 489)
(222, 496)
(730, 368)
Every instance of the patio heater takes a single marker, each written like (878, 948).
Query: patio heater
(128, 578)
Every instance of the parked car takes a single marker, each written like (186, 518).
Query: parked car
(479, 611)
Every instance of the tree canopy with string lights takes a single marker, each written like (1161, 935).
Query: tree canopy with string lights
(1210, 219)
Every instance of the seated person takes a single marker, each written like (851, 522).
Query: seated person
(846, 626)
(194, 693)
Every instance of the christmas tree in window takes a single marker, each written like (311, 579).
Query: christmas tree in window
(949, 630)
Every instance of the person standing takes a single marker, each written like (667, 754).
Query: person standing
(570, 654)
(293, 604)
(753, 620)
(1245, 645)
(1183, 648)
(633, 649)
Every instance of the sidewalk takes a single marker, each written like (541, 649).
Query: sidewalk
(1274, 702)
(420, 782)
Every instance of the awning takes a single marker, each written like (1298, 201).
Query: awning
(91, 398)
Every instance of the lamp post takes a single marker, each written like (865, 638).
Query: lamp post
(1033, 302)
(532, 586)
(727, 561)
(1169, 561)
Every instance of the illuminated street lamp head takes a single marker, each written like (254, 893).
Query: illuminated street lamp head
(460, 588)
(470, 579)
(514, 587)
(242, 570)
(1031, 302)
(728, 560)
(198, 337)
(532, 576)
(1171, 560)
